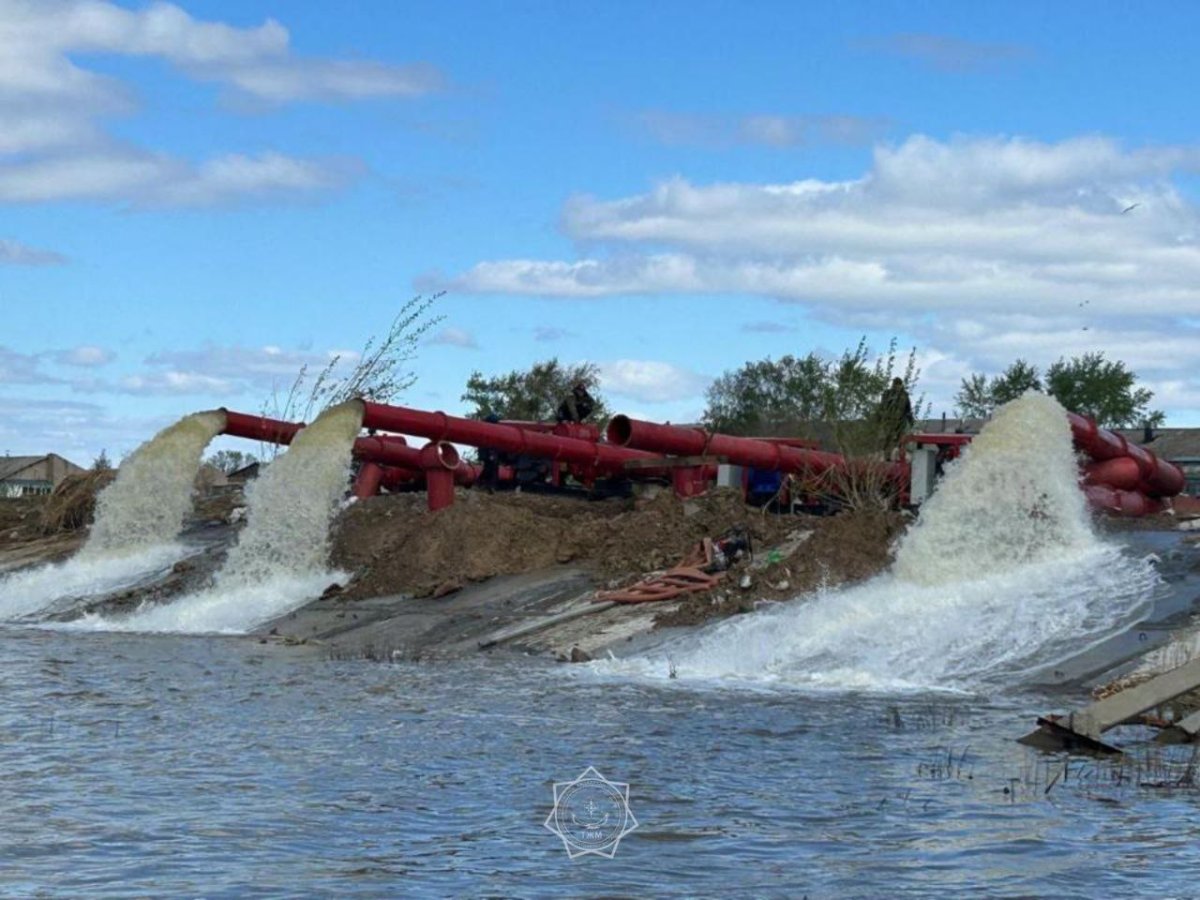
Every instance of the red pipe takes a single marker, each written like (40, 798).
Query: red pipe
(1156, 477)
(627, 432)
(438, 426)
(366, 483)
(259, 428)
(439, 460)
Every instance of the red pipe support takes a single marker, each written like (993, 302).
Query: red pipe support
(439, 461)
(368, 479)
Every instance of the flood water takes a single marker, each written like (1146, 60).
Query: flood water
(217, 767)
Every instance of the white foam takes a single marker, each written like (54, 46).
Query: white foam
(233, 610)
(26, 592)
(1003, 573)
(281, 558)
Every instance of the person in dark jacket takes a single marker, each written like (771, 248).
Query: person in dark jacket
(577, 405)
(895, 415)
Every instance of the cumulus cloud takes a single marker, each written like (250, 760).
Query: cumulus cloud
(949, 54)
(85, 355)
(221, 367)
(455, 337)
(650, 381)
(21, 368)
(52, 107)
(13, 253)
(545, 334)
(764, 129)
(986, 248)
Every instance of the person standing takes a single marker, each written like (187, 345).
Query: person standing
(895, 415)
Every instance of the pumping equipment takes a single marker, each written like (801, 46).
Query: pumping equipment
(1120, 477)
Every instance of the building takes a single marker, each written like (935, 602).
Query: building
(27, 476)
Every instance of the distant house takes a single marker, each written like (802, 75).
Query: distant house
(27, 476)
(245, 473)
(1178, 445)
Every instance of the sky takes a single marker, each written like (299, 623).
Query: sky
(197, 199)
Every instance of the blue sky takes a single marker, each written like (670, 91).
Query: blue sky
(195, 199)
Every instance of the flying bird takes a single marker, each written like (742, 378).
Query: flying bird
(1130, 207)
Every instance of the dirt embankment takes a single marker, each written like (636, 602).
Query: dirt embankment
(393, 545)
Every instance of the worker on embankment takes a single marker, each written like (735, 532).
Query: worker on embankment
(577, 405)
(895, 415)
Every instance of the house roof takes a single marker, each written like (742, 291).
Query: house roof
(1169, 443)
(12, 466)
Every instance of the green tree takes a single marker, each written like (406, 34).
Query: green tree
(229, 461)
(807, 395)
(769, 397)
(101, 463)
(978, 397)
(1105, 390)
(532, 394)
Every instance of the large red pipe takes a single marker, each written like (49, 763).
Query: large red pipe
(626, 432)
(385, 450)
(438, 426)
(1156, 477)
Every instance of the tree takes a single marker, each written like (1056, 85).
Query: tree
(229, 461)
(978, 397)
(532, 394)
(1105, 390)
(836, 401)
(101, 463)
(794, 395)
(1088, 384)
(381, 374)
(768, 397)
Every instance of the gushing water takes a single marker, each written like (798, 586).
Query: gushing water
(138, 518)
(146, 504)
(1017, 501)
(1001, 574)
(281, 558)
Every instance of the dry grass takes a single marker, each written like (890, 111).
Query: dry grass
(73, 502)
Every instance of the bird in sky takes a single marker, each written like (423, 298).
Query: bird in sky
(1130, 207)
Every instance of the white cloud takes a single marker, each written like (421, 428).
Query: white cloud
(52, 108)
(244, 366)
(22, 368)
(85, 355)
(949, 54)
(172, 382)
(771, 130)
(14, 253)
(455, 337)
(982, 248)
(650, 381)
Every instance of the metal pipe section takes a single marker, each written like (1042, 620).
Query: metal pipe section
(259, 428)
(439, 460)
(680, 441)
(1155, 477)
(437, 426)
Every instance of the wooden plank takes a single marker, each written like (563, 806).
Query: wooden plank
(1096, 718)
